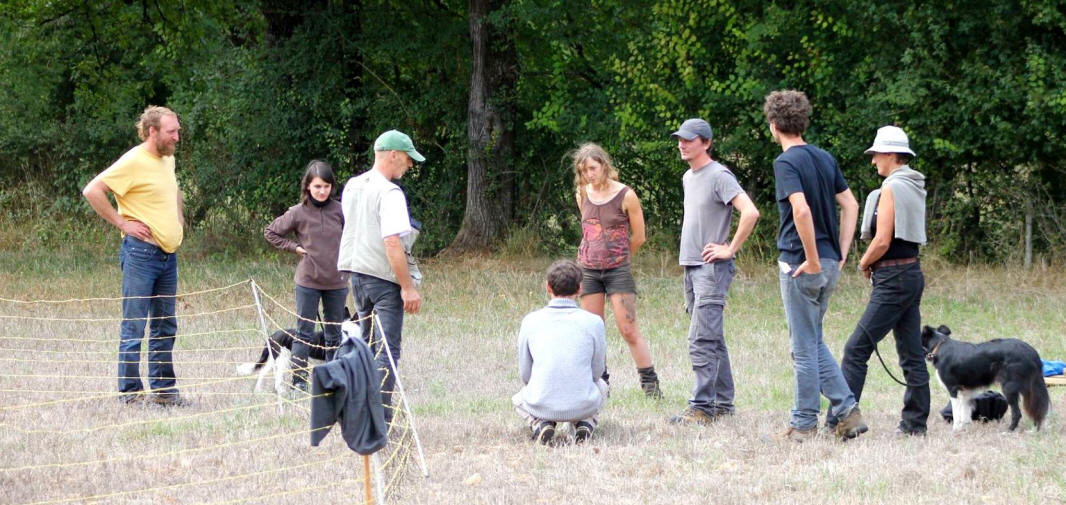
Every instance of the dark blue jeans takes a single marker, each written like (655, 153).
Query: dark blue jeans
(307, 301)
(149, 283)
(894, 305)
(381, 297)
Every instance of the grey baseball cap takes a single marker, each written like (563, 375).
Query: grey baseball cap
(693, 128)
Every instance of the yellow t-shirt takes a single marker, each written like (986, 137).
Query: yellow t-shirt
(146, 190)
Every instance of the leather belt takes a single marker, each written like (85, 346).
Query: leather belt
(893, 263)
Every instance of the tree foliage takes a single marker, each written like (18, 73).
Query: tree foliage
(264, 86)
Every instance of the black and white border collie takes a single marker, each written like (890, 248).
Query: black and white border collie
(966, 369)
(279, 347)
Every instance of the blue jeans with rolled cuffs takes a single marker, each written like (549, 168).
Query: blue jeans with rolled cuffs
(706, 287)
(381, 297)
(149, 286)
(806, 299)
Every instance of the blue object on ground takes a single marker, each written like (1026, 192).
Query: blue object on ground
(1053, 367)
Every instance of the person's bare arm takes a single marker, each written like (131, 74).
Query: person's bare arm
(96, 194)
(412, 301)
(181, 210)
(849, 214)
(886, 223)
(631, 206)
(749, 214)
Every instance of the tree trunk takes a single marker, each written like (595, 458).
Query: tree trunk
(489, 182)
(1028, 233)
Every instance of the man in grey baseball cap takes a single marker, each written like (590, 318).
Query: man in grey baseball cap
(693, 128)
(711, 194)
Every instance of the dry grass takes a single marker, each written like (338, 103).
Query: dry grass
(460, 370)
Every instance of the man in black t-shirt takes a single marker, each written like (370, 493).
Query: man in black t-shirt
(813, 247)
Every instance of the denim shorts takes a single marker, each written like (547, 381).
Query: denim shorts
(610, 281)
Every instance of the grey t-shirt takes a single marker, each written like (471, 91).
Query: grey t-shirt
(708, 211)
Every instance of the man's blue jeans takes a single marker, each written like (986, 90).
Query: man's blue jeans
(806, 299)
(381, 297)
(706, 287)
(149, 284)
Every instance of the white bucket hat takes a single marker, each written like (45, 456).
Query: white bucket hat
(890, 139)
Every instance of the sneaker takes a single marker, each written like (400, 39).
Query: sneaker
(544, 432)
(168, 400)
(651, 389)
(583, 432)
(851, 425)
(692, 415)
(800, 435)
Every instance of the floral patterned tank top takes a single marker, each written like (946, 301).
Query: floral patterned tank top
(604, 233)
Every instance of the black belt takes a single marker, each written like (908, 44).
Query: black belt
(893, 263)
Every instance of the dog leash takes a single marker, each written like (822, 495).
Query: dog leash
(882, 360)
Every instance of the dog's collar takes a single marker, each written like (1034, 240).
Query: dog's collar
(932, 354)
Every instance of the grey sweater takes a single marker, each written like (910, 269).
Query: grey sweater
(561, 353)
(908, 193)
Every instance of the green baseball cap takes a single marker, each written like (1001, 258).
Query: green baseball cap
(394, 140)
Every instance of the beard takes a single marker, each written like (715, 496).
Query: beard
(165, 148)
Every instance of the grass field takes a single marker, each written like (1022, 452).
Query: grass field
(460, 370)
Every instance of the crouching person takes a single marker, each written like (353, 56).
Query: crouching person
(561, 357)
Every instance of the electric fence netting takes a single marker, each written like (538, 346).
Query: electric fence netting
(67, 436)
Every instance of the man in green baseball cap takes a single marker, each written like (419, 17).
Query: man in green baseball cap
(376, 248)
(394, 140)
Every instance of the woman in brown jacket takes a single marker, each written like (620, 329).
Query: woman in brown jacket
(315, 223)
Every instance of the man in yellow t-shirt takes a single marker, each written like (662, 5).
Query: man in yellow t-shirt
(149, 215)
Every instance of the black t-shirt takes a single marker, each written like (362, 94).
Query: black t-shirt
(814, 172)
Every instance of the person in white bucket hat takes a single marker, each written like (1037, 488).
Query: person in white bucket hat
(891, 139)
(894, 222)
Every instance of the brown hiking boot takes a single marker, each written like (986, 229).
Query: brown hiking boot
(167, 400)
(692, 415)
(851, 425)
(134, 398)
(799, 435)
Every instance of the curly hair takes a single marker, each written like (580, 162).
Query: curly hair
(788, 110)
(591, 151)
(150, 118)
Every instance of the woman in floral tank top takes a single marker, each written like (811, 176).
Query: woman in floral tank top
(612, 229)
